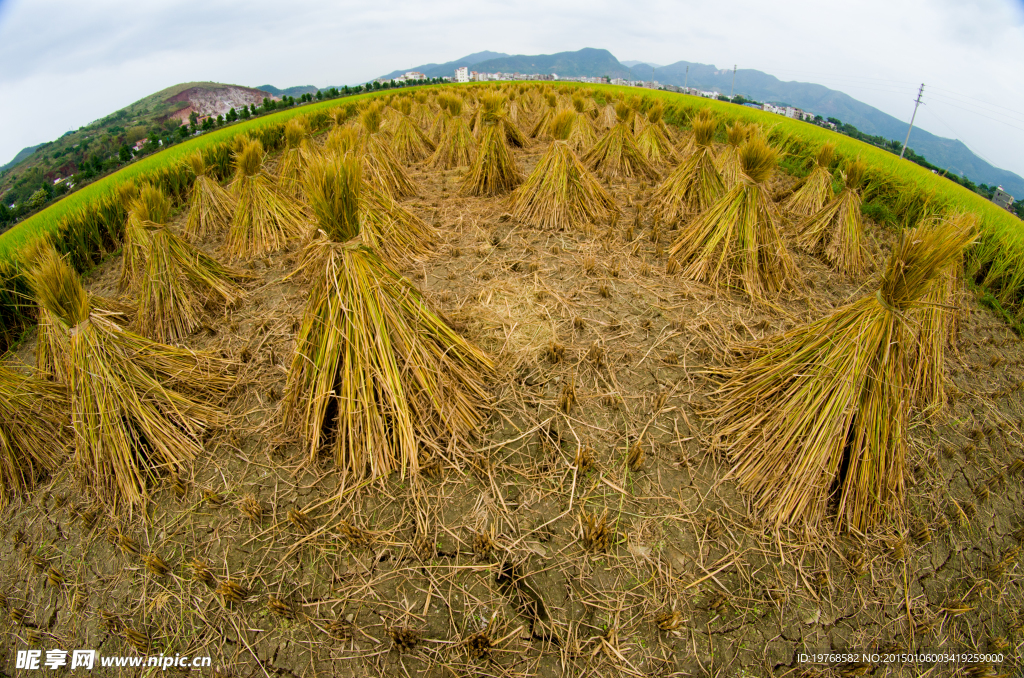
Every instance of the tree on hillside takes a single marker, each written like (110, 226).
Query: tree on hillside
(37, 200)
(125, 154)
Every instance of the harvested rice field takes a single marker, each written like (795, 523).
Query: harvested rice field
(586, 513)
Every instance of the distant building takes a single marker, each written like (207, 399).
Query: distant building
(788, 111)
(462, 74)
(410, 76)
(709, 95)
(1002, 198)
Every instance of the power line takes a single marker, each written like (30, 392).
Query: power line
(975, 108)
(946, 103)
(987, 103)
(959, 138)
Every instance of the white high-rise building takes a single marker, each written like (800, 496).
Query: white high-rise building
(462, 74)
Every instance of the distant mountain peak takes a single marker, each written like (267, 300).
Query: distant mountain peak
(632, 63)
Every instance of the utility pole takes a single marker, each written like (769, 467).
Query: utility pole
(733, 88)
(687, 81)
(916, 104)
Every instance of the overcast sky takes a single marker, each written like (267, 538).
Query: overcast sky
(64, 64)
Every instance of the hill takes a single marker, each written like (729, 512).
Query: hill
(95, 147)
(22, 154)
(296, 91)
(585, 62)
(951, 154)
(448, 68)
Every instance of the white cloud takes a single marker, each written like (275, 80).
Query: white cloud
(68, 63)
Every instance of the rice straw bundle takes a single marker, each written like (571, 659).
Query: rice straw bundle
(147, 211)
(408, 143)
(541, 129)
(938, 322)
(290, 167)
(560, 192)
(728, 163)
(137, 407)
(837, 228)
(653, 140)
(52, 341)
(381, 167)
(819, 413)
(422, 115)
(376, 374)
(495, 170)
(607, 118)
(458, 147)
(33, 430)
(695, 185)
(178, 284)
(737, 241)
(492, 111)
(583, 136)
(616, 153)
(210, 206)
(387, 227)
(816, 188)
(264, 221)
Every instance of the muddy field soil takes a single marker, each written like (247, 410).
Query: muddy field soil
(597, 536)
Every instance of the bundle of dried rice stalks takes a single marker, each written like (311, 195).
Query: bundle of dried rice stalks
(653, 141)
(457, 147)
(616, 153)
(408, 142)
(737, 242)
(52, 340)
(607, 117)
(495, 170)
(937, 325)
(560, 192)
(381, 167)
(376, 373)
(695, 185)
(837, 229)
(290, 167)
(148, 210)
(728, 163)
(137, 407)
(583, 136)
(492, 112)
(210, 206)
(33, 430)
(264, 221)
(816, 188)
(819, 413)
(178, 284)
(386, 226)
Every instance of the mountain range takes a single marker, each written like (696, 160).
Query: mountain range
(951, 154)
